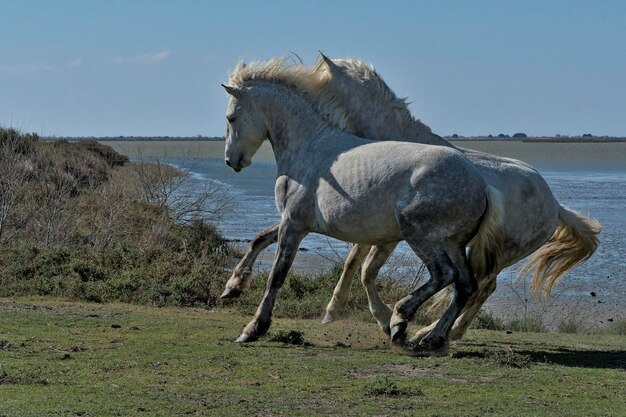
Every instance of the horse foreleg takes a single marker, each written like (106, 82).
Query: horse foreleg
(337, 305)
(380, 310)
(289, 238)
(241, 275)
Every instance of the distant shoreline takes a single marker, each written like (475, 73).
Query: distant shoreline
(541, 139)
(138, 138)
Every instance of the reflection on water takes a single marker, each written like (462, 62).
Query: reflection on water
(589, 177)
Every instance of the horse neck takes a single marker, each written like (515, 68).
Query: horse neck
(291, 122)
(420, 133)
(384, 122)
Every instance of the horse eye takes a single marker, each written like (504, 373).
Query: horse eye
(231, 119)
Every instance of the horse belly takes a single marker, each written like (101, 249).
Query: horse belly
(358, 217)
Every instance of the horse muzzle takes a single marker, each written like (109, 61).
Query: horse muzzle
(236, 168)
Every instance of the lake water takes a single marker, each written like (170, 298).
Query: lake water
(588, 177)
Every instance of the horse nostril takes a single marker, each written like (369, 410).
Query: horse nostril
(228, 163)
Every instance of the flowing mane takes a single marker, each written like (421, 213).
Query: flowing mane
(366, 73)
(314, 83)
(308, 82)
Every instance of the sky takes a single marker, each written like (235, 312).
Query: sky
(148, 68)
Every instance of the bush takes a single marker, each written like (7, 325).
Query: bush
(570, 325)
(104, 152)
(290, 337)
(617, 327)
(388, 388)
(510, 358)
(20, 143)
(94, 236)
(486, 320)
(527, 324)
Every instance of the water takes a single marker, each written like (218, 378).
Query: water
(588, 177)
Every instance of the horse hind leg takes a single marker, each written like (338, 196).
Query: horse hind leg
(442, 271)
(377, 258)
(335, 309)
(465, 286)
(486, 287)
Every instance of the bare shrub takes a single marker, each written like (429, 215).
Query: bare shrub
(105, 209)
(174, 189)
(617, 327)
(16, 171)
(535, 313)
(571, 325)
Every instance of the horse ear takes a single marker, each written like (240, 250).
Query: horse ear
(233, 91)
(332, 67)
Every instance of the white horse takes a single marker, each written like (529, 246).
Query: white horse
(351, 95)
(374, 193)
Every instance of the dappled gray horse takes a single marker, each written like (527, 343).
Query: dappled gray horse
(356, 190)
(365, 105)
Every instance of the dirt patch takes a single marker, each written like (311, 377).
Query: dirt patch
(406, 370)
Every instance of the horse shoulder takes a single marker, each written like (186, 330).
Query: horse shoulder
(293, 200)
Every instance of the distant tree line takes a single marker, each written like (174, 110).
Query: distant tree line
(138, 138)
(558, 137)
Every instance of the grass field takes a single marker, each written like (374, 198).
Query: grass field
(75, 359)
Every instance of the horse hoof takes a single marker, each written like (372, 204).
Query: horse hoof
(328, 318)
(398, 331)
(333, 316)
(231, 293)
(245, 338)
(434, 345)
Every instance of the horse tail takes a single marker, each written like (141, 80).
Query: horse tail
(574, 241)
(484, 248)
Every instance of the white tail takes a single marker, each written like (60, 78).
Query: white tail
(485, 248)
(574, 241)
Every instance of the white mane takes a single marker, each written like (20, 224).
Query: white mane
(308, 82)
(367, 74)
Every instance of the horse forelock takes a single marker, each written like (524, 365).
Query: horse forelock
(309, 82)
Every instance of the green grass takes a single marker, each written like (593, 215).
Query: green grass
(82, 359)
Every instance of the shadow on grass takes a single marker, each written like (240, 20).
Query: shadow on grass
(607, 359)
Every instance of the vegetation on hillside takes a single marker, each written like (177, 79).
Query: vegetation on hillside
(79, 220)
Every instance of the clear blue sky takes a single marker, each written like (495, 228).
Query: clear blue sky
(469, 67)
